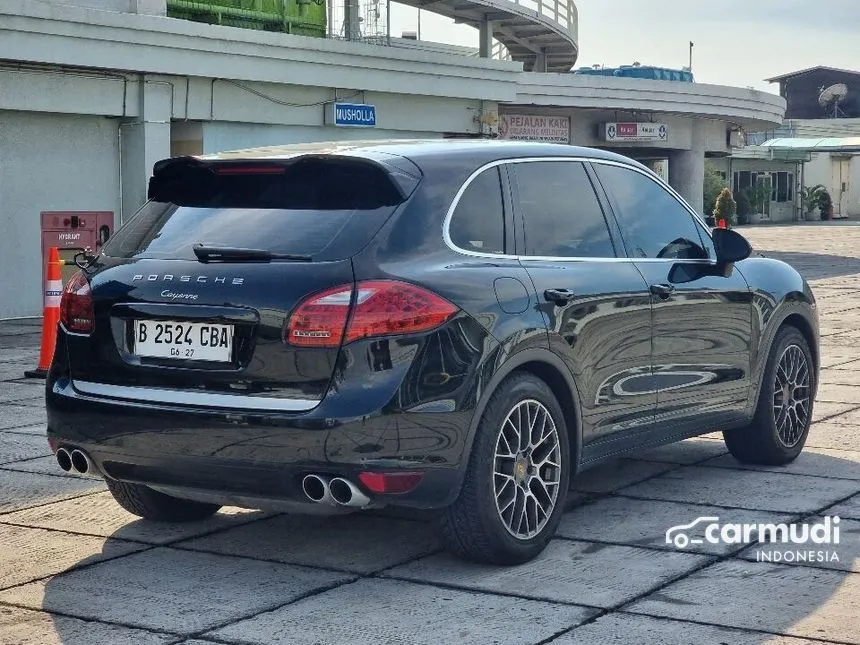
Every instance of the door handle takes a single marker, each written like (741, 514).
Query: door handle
(662, 291)
(558, 296)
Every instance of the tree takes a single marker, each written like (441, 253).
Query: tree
(744, 207)
(759, 195)
(725, 207)
(714, 184)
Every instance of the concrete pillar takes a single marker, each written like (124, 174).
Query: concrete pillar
(143, 141)
(485, 36)
(540, 61)
(687, 169)
(351, 20)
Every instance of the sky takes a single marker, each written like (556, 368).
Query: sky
(737, 42)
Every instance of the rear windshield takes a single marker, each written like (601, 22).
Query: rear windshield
(162, 230)
(326, 212)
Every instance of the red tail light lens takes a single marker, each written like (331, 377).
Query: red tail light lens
(76, 305)
(382, 308)
(390, 483)
(386, 307)
(319, 321)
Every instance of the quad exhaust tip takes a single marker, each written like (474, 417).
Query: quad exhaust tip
(317, 489)
(82, 463)
(345, 493)
(335, 491)
(76, 461)
(64, 460)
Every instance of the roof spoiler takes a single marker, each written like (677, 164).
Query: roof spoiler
(192, 181)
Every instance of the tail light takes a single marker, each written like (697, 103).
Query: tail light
(390, 483)
(381, 308)
(76, 305)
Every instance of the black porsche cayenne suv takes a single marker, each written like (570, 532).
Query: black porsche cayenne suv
(460, 326)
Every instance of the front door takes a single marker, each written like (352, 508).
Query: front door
(596, 304)
(701, 320)
(841, 171)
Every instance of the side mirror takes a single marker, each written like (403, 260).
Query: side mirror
(731, 246)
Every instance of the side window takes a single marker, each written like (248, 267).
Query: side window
(478, 222)
(561, 214)
(654, 224)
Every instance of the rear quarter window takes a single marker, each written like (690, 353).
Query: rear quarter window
(478, 221)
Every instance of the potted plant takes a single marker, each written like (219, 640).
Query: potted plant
(811, 196)
(725, 208)
(825, 205)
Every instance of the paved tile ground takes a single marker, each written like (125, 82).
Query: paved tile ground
(76, 569)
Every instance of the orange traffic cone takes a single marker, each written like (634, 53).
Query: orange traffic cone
(51, 317)
(722, 224)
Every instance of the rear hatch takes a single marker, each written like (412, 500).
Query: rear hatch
(193, 297)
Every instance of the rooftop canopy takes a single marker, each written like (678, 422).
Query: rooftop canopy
(826, 144)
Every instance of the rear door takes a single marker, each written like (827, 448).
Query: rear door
(595, 303)
(701, 318)
(193, 296)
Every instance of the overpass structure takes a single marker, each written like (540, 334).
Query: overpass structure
(540, 34)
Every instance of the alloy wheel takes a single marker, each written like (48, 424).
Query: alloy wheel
(791, 396)
(527, 469)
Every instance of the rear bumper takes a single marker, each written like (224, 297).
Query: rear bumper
(261, 456)
(379, 416)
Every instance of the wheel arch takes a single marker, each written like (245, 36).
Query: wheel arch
(548, 367)
(804, 327)
(801, 319)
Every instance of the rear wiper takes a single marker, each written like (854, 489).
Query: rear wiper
(206, 253)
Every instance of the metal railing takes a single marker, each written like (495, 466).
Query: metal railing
(270, 16)
(560, 16)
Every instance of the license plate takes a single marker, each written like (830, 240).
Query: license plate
(183, 340)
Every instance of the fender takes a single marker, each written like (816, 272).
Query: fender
(794, 304)
(511, 364)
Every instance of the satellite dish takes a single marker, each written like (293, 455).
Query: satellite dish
(833, 95)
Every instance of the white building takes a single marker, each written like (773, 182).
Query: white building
(91, 98)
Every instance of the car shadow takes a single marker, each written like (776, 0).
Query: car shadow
(234, 571)
(816, 266)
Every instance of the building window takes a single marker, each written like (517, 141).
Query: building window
(782, 183)
(783, 187)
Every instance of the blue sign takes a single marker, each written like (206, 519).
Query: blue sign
(356, 115)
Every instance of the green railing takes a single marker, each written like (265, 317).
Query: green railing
(300, 17)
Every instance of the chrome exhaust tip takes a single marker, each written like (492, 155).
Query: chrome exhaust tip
(82, 463)
(345, 493)
(64, 459)
(317, 489)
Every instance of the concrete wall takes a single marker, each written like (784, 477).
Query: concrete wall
(49, 162)
(779, 211)
(220, 137)
(820, 171)
(152, 7)
(585, 128)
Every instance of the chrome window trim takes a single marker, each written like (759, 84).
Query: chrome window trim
(204, 399)
(446, 235)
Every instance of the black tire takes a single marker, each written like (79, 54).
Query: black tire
(472, 527)
(760, 442)
(150, 504)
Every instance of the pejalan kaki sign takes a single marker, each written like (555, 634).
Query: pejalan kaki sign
(525, 127)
